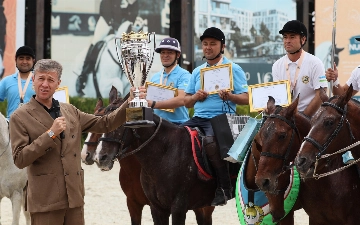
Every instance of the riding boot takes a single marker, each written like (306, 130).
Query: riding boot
(224, 188)
(89, 63)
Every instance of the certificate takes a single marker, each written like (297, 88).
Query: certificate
(217, 78)
(62, 94)
(158, 92)
(259, 94)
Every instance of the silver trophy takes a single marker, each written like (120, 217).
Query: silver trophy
(136, 57)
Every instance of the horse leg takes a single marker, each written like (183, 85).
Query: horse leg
(160, 217)
(16, 200)
(135, 210)
(204, 215)
(288, 219)
(0, 209)
(26, 213)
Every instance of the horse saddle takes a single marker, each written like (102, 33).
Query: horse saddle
(205, 170)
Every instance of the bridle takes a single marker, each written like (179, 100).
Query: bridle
(322, 148)
(121, 150)
(95, 143)
(284, 157)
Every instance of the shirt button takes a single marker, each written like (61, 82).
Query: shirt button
(62, 156)
(73, 136)
(66, 174)
(75, 154)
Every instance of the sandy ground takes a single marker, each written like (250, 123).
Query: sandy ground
(105, 203)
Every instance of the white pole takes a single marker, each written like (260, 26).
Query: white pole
(333, 44)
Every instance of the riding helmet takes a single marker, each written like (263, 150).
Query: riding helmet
(213, 32)
(358, 38)
(169, 43)
(294, 26)
(25, 50)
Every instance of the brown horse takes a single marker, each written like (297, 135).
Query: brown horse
(332, 199)
(169, 175)
(129, 174)
(273, 148)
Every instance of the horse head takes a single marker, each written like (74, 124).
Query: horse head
(332, 128)
(277, 142)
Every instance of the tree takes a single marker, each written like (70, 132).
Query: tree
(264, 31)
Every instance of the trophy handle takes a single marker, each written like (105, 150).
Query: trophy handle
(153, 52)
(121, 61)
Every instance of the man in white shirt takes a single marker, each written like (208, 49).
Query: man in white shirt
(305, 72)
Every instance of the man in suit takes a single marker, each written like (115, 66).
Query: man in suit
(46, 138)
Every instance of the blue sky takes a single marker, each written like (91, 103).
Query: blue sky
(255, 5)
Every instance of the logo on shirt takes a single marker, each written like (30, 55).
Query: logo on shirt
(322, 79)
(305, 79)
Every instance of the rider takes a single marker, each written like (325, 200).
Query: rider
(207, 106)
(171, 75)
(116, 16)
(10, 88)
(304, 71)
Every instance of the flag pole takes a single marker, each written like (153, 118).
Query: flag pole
(333, 45)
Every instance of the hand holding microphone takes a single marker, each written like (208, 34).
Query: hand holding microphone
(59, 126)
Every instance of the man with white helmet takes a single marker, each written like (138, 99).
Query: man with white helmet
(171, 75)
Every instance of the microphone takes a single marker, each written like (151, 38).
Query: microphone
(58, 114)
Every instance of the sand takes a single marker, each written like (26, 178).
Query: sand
(105, 203)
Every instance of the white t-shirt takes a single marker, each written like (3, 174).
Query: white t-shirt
(310, 77)
(355, 79)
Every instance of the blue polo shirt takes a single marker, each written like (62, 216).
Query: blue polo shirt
(9, 90)
(213, 104)
(178, 78)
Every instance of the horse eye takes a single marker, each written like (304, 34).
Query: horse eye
(328, 123)
(282, 136)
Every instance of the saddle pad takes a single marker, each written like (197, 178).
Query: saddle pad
(253, 206)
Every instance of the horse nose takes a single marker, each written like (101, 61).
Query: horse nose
(88, 159)
(263, 184)
(103, 158)
(300, 161)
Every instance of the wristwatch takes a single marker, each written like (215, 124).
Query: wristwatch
(51, 134)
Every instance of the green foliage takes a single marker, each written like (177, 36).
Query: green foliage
(86, 104)
(240, 109)
(3, 107)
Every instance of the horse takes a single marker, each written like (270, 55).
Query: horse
(107, 70)
(269, 172)
(331, 199)
(169, 175)
(129, 174)
(12, 179)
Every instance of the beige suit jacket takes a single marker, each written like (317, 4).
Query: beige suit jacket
(55, 176)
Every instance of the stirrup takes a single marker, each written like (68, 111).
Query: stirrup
(221, 197)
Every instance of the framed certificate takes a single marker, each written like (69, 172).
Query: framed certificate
(158, 92)
(217, 78)
(62, 94)
(259, 94)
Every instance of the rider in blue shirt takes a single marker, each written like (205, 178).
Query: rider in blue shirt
(207, 106)
(9, 86)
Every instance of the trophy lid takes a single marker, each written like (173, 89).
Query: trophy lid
(134, 36)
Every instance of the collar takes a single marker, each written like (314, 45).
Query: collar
(53, 105)
(223, 60)
(288, 61)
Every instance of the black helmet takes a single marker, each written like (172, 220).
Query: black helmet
(358, 38)
(169, 43)
(213, 32)
(294, 26)
(25, 50)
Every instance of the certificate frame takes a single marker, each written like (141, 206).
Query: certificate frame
(165, 88)
(62, 94)
(280, 91)
(204, 71)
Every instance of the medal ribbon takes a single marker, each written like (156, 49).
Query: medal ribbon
(22, 91)
(162, 74)
(298, 66)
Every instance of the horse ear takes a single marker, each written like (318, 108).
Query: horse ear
(113, 94)
(99, 104)
(323, 95)
(292, 108)
(258, 143)
(344, 98)
(271, 105)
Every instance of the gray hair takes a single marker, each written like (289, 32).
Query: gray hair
(48, 65)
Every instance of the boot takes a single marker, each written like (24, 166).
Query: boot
(224, 188)
(87, 67)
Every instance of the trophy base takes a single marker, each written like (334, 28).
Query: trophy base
(139, 117)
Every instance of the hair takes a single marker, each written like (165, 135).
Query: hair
(48, 65)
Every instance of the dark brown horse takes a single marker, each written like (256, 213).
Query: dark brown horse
(169, 175)
(333, 199)
(274, 147)
(129, 174)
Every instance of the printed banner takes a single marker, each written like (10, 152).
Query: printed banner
(347, 49)
(12, 20)
(83, 40)
(251, 29)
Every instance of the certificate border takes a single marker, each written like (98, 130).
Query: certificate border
(66, 92)
(203, 70)
(251, 87)
(147, 83)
